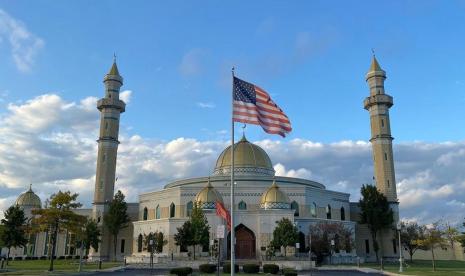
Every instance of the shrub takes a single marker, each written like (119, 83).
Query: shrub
(251, 268)
(289, 272)
(28, 258)
(69, 257)
(18, 258)
(271, 268)
(181, 271)
(34, 258)
(77, 257)
(227, 268)
(207, 268)
(43, 257)
(61, 257)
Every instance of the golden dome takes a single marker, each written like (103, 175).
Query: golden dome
(29, 199)
(248, 159)
(207, 197)
(274, 198)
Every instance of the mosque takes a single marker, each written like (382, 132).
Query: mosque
(261, 197)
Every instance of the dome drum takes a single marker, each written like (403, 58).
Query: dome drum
(275, 205)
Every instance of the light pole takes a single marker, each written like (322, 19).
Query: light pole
(399, 228)
(151, 252)
(331, 254)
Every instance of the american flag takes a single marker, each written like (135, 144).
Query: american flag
(252, 105)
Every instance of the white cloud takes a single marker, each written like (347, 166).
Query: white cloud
(51, 142)
(125, 96)
(205, 105)
(24, 45)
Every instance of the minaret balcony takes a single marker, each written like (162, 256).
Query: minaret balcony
(378, 100)
(111, 103)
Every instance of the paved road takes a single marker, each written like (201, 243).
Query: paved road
(159, 272)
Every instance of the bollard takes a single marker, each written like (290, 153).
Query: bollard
(2, 264)
(99, 264)
(382, 264)
(125, 263)
(358, 261)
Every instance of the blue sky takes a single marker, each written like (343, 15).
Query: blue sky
(176, 59)
(312, 57)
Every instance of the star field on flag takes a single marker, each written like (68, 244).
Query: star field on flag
(253, 105)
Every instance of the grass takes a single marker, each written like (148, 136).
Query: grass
(420, 267)
(38, 267)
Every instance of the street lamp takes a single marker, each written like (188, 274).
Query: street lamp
(399, 228)
(151, 253)
(332, 249)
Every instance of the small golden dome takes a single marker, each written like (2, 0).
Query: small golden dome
(29, 199)
(248, 159)
(207, 197)
(274, 198)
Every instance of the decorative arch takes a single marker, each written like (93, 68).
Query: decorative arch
(328, 211)
(242, 205)
(245, 243)
(157, 212)
(139, 243)
(146, 213)
(343, 213)
(189, 207)
(313, 209)
(172, 210)
(295, 207)
(302, 248)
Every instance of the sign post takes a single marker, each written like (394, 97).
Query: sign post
(219, 235)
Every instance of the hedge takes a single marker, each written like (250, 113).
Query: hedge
(289, 272)
(207, 268)
(251, 268)
(227, 268)
(181, 271)
(271, 268)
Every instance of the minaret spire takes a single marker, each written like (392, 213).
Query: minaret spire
(110, 107)
(378, 104)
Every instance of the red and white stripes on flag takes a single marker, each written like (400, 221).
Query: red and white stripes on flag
(253, 105)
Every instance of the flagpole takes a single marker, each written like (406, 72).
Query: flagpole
(233, 239)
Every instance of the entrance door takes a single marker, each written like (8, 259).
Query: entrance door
(245, 243)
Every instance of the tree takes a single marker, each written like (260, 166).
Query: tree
(410, 233)
(88, 236)
(117, 218)
(195, 231)
(14, 228)
(322, 233)
(285, 234)
(183, 237)
(158, 241)
(375, 213)
(434, 237)
(57, 216)
(450, 234)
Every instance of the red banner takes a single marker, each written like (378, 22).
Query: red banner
(222, 212)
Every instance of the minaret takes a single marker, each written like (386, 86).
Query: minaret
(378, 104)
(110, 108)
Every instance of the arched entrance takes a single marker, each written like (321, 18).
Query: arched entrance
(245, 243)
(302, 248)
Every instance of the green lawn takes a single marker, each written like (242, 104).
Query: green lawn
(448, 268)
(36, 267)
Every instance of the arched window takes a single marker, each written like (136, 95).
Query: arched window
(172, 210)
(242, 205)
(146, 213)
(343, 213)
(313, 209)
(157, 212)
(139, 243)
(295, 207)
(189, 208)
(328, 211)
